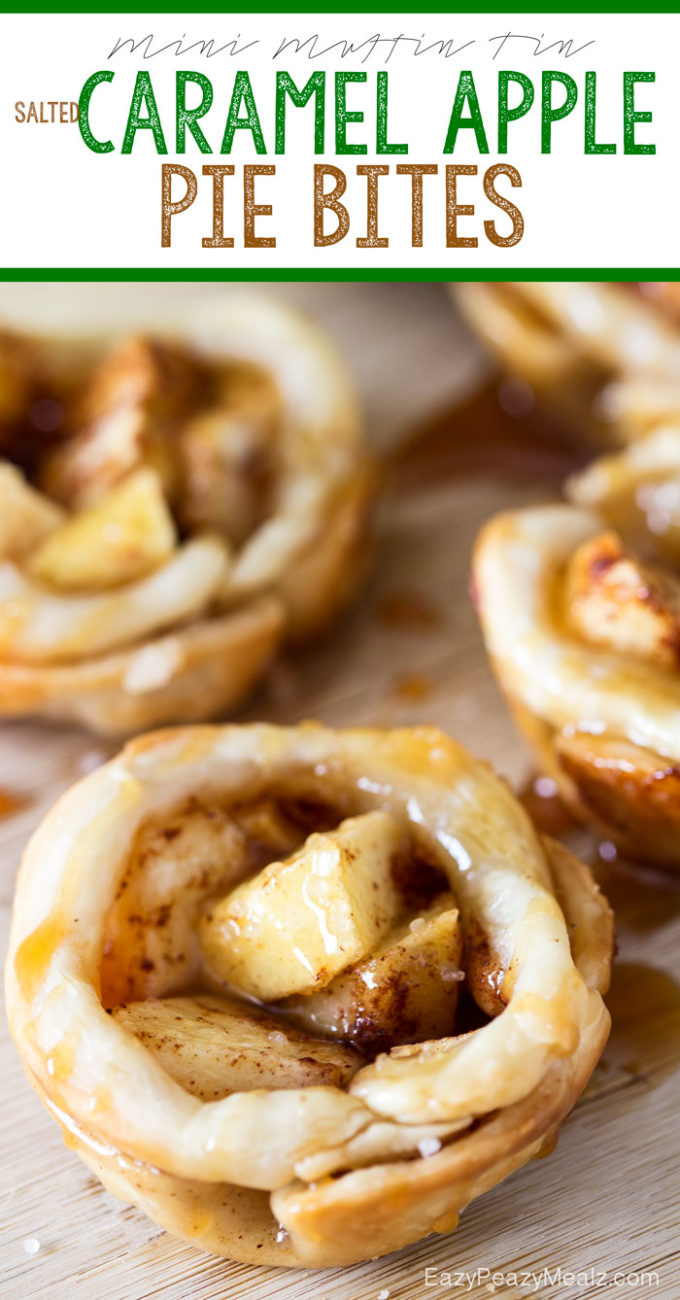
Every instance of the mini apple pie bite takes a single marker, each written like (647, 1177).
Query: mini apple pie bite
(173, 506)
(604, 356)
(580, 607)
(302, 995)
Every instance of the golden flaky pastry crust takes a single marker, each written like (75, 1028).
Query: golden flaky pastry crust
(114, 896)
(580, 607)
(238, 435)
(604, 357)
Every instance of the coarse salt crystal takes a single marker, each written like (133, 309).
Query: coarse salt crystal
(91, 760)
(383, 1295)
(153, 667)
(545, 787)
(429, 1147)
(31, 1245)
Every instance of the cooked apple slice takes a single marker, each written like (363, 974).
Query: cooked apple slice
(27, 517)
(268, 828)
(299, 922)
(157, 375)
(615, 600)
(228, 454)
(405, 992)
(227, 475)
(121, 538)
(130, 411)
(213, 1046)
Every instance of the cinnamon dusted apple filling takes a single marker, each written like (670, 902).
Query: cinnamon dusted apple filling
(172, 506)
(580, 606)
(342, 932)
(302, 994)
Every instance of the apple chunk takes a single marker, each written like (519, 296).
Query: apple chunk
(298, 923)
(121, 538)
(622, 603)
(27, 516)
(214, 1046)
(406, 992)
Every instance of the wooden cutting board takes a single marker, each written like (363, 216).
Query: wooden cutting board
(606, 1201)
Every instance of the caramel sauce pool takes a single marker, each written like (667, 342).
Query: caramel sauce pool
(540, 799)
(10, 803)
(642, 897)
(499, 430)
(644, 1003)
(35, 952)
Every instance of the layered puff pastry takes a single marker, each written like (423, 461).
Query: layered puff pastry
(605, 357)
(580, 607)
(302, 995)
(173, 505)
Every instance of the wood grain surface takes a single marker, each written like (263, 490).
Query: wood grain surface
(602, 1210)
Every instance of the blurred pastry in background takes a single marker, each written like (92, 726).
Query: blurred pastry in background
(580, 608)
(173, 506)
(604, 356)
